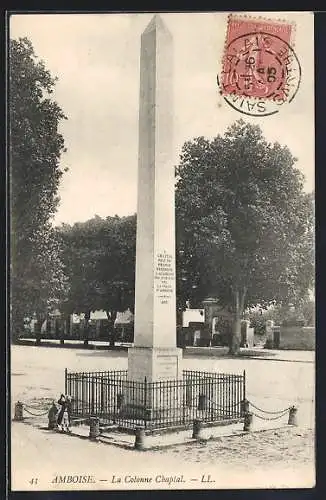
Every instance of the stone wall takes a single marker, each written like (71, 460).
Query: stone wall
(297, 338)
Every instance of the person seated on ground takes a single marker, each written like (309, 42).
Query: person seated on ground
(64, 413)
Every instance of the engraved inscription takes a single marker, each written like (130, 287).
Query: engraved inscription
(167, 367)
(164, 276)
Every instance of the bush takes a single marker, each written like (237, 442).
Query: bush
(294, 322)
(258, 323)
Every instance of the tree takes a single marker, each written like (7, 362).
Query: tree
(100, 257)
(244, 223)
(303, 311)
(308, 311)
(35, 148)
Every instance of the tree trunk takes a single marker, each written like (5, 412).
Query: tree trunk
(65, 328)
(239, 300)
(48, 326)
(86, 327)
(113, 316)
(236, 335)
(37, 327)
(110, 326)
(67, 325)
(62, 331)
(56, 329)
(17, 326)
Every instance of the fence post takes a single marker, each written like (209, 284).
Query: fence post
(19, 411)
(145, 401)
(52, 416)
(66, 380)
(197, 425)
(188, 393)
(94, 428)
(102, 395)
(202, 402)
(148, 414)
(83, 394)
(244, 407)
(120, 400)
(293, 416)
(244, 385)
(212, 396)
(139, 438)
(248, 422)
(92, 395)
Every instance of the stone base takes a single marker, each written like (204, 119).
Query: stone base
(155, 363)
(134, 411)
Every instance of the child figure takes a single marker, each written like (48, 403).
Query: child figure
(64, 413)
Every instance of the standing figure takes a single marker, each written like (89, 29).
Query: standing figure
(64, 413)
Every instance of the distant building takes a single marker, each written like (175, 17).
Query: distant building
(124, 318)
(193, 315)
(124, 326)
(209, 325)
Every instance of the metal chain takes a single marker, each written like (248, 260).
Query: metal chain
(37, 414)
(33, 407)
(220, 406)
(270, 412)
(269, 418)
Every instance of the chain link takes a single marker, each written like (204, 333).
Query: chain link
(33, 407)
(223, 407)
(36, 414)
(269, 418)
(270, 412)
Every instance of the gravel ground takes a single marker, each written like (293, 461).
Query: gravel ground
(270, 459)
(267, 459)
(291, 446)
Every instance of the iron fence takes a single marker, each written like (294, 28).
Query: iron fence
(210, 397)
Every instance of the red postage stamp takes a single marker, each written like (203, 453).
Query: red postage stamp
(260, 69)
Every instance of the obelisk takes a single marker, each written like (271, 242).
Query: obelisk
(155, 355)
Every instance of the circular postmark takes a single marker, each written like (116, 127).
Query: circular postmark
(260, 73)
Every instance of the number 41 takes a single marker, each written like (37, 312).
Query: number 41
(33, 480)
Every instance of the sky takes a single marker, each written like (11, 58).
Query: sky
(96, 60)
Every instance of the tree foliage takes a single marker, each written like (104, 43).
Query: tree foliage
(99, 256)
(35, 148)
(244, 223)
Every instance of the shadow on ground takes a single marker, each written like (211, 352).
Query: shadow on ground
(114, 353)
(69, 345)
(224, 353)
(121, 350)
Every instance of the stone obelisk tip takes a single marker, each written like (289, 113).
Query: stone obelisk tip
(155, 24)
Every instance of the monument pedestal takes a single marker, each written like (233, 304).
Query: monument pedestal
(155, 363)
(154, 386)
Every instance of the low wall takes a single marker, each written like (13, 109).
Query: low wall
(297, 338)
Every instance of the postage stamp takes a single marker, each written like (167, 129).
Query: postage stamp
(260, 69)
